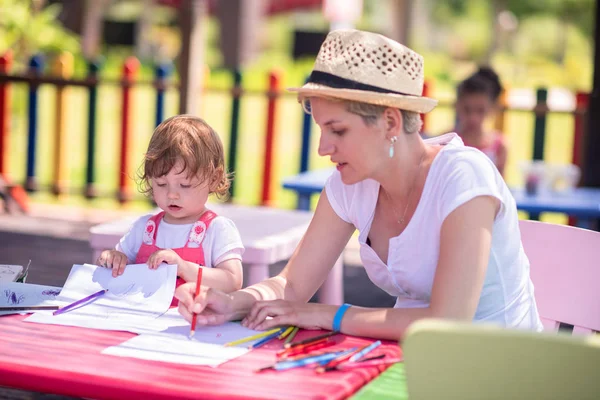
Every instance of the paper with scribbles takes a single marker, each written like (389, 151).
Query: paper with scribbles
(138, 295)
(26, 295)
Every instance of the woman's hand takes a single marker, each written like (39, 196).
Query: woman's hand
(167, 256)
(212, 306)
(113, 259)
(283, 312)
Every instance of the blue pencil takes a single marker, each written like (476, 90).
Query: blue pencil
(266, 339)
(365, 351)
(322, 358)
(79, 302)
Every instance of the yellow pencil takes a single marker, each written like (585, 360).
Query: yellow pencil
(291, 335)
(286, 332)
(251, 338)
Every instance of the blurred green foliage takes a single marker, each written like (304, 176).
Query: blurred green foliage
(27, 27)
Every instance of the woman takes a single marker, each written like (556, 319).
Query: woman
(438, 226)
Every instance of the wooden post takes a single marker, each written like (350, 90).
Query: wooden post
(192, 16)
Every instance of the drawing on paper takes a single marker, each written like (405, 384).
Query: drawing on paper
(51, 292)
(130, 285)
(13, 298)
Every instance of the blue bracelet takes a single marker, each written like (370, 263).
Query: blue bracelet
(339, 314)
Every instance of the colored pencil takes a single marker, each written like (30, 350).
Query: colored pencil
(251, 338)
(377, 357)
(310, 340)
(305, 348)
(286, 332)
(69, 307)
(364, 351)
(291, 335)
(25, 308)
(332, 365)
(372, 363)
(284, 365)
(198, 285)
(266, 339)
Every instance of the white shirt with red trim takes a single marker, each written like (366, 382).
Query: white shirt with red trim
(222, 240)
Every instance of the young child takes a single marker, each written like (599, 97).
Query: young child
(184, 164)
(476, 100)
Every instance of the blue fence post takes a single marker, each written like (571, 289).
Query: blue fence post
(161, 72)
(36, 67)
(305, 154)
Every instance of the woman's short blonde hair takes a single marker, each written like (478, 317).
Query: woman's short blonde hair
(192, 141)
(370, 113)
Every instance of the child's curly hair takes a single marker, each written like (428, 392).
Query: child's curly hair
(191, 140)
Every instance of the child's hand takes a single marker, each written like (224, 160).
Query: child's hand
(164, 256)
(113, 259)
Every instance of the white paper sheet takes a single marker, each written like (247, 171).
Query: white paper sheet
(139, 295)
(171, 344)
(175, 349)
(25, 295)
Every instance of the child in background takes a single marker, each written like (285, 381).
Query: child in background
(476, 100)
(184, 164)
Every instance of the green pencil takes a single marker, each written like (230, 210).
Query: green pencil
(291, 336)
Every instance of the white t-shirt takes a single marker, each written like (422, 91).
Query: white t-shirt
(457, 175)
(221, 242)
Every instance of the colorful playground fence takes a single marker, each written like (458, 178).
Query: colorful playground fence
(62, 79)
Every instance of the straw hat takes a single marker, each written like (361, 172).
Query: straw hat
(369, 68)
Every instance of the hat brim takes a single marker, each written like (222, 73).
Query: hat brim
(410, 103)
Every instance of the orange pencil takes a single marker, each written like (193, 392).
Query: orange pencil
(198, 284)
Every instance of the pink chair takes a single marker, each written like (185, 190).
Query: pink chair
(565, 270)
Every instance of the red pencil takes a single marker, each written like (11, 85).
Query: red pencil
(198, 285)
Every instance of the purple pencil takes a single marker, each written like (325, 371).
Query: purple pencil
(79, 302)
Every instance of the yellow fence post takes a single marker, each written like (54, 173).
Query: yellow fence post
(62, 68)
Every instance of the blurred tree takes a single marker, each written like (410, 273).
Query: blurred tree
(568, 13)
(29, 26)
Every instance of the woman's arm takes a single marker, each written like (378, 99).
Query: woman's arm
(322, 244)
(465, 242)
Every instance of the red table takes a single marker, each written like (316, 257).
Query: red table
(67, 360)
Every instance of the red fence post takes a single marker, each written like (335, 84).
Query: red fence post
(426, 90)
(273, 93)
(5, 66)
(582, 102)
(130, 70)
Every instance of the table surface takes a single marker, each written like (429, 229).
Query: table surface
(269, 234)
(580, 202)
(67, 361)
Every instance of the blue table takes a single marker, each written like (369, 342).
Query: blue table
(582, 203)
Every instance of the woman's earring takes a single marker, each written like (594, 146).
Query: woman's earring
(393, 141)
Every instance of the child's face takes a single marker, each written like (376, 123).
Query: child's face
(182, 198)
(472, 110)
